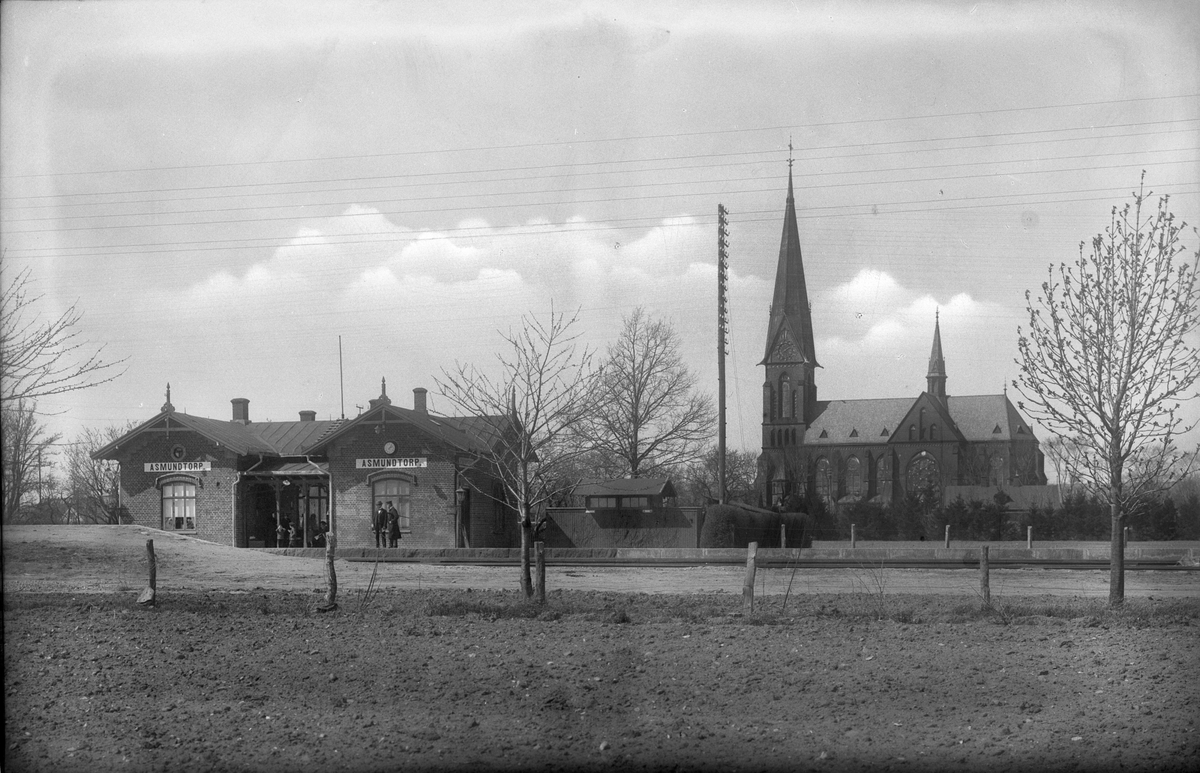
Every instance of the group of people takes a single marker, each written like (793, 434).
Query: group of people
(289, 534)
(386, 525)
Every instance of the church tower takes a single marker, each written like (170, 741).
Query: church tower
(790, 391)
(935, 379)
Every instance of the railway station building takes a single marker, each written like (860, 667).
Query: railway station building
(237, 481)
(934, 444)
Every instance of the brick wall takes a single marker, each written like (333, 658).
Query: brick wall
(487, 529)
(142, 498)
(432, 505)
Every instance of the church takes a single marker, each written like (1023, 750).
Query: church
(934, 445)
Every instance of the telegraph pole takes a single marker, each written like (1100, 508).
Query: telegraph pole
(722, 342)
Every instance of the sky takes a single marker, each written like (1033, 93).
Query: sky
(288, 202)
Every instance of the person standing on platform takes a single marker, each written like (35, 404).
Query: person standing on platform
(393, 522)
(379, 525)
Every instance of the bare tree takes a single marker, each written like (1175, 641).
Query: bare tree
(90, 483)
(1106, 361)
(40, 357)
(741, 472)
(538, 398)
(26, 453)
(647, 412)
(1063, 454)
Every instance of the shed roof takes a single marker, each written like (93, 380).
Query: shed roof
(627, 487)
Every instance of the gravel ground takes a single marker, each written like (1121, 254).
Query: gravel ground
(234, 670)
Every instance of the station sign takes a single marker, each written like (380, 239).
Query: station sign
(385, 463)
(178, 466)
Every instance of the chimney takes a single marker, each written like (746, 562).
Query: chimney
(419, 400)
(308, 415)
(241, 410)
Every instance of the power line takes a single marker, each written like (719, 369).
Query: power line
(437, 210)
(471, 232)
(622, 186)
(576, 141)
(575, 165)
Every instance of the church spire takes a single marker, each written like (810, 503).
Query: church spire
(790, 314)
(936, 377)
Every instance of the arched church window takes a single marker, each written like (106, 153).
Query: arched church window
(924, 477)
(768, 402)
(854, 477)
(882, 470)
(996, 473)
(912, 431)
(933, 432)
(785, 391)
(824, 478)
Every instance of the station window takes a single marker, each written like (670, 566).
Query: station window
(397, 491)
(635, 502)
(602, 503)
(179, 506)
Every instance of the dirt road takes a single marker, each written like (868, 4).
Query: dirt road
(104, 559)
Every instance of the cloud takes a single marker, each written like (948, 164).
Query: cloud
(874, 338)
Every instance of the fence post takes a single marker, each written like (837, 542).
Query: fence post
(539, 555)
(330, 574)
(984, 587)
(853, 539)
(947, 536)
(1029, 538)
(783, 535)
(748, 585)
(1124, 538)
(148, 595)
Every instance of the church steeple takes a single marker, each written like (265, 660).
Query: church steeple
(789, 391)
(936, 377)
(789, 307)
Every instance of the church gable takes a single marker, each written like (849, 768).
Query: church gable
(926, 421)
(782, 347)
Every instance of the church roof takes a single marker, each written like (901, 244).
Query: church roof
(855, 422)
(864, 422)
(789, 306)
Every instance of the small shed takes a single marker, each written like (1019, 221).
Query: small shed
(643, 494)
(624, 513)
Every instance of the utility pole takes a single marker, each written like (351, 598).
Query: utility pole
(722, 342)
